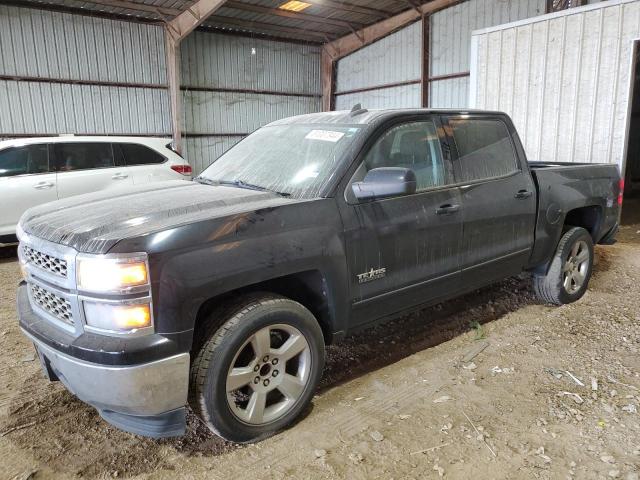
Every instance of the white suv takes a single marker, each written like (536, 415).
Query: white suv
(39, 170)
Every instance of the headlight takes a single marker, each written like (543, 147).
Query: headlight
(118, 318)
(112, 273)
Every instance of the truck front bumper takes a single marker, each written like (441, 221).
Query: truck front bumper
(147, 399)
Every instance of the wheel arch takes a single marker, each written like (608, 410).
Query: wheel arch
(309, 288)
(589, 217)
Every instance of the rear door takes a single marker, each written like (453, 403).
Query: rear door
(25, 181)
(143, 163)
(498, 198)
(404, 251)
(85, 167)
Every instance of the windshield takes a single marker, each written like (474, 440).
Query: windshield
(292, 160)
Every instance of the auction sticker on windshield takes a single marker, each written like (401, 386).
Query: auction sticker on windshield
(324, 135)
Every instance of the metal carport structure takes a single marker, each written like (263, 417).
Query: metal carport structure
(336, 28)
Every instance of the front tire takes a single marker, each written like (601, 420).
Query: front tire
(258, 371)
(568, 276)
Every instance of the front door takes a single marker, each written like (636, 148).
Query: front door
(404, 251)
(498, 196)
(25, 181)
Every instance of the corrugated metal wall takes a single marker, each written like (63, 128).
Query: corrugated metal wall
(234, 85)
(451, 39)
(393, 59)
(404, 96)
(62, 73)
(564, 79)
(397, 58)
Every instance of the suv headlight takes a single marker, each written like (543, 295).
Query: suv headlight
(113, 273)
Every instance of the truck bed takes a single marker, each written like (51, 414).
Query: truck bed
(564, 187)
(554, 173)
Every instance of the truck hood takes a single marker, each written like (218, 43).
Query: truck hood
(95, 222)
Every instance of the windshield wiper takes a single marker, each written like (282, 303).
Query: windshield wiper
(205, 181)
(240, 184)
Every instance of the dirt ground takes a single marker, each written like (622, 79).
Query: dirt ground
(555, 394)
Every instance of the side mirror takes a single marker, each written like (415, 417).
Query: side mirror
(385, 182)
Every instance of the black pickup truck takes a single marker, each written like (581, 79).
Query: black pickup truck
(223, 292)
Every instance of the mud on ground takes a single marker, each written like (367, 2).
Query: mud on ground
(396, 401)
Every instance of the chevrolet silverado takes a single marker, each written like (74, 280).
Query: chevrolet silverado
(222, 293)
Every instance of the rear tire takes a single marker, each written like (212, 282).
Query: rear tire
(568, 276)
(258, 371)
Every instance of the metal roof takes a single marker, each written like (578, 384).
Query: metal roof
(321, 22)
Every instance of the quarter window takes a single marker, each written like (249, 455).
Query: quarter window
(135, 154)
(412, 145)
(23, 160)
(484, 148)
(82, 156)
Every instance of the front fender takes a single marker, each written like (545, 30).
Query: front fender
(202, 261)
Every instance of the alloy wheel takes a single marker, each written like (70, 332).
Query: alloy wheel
(574, 271)
(268, 374)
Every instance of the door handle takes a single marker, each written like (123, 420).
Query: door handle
(120, 176)
(523, 194)
(447, 209)
(43, 185)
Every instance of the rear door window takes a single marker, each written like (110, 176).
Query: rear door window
(485, 149)
(83, 156)
(30, 159)
(136, 154)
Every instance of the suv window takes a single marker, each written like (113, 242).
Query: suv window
(82, 156)
(22, 160)
(484, 148)
(136, 154)
(413, 145)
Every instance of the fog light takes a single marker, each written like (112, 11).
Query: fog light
(117, 317)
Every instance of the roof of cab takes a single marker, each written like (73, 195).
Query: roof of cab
(366, 117)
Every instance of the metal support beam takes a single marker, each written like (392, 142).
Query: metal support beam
(350, 43)
(175, 31)
(425, 58)
(191, 18)
(414, 5)
(173, 80)
(327, 64)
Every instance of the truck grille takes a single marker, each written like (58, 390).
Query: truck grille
(45, 261)
(51, 303)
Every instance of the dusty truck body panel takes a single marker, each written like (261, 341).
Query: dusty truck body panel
(464, 218)
(588, 190)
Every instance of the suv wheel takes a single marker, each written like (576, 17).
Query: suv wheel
(570, 271)
(258, 371)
